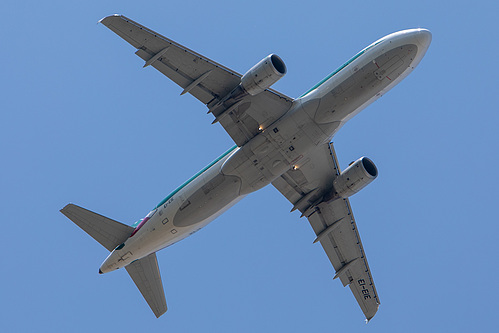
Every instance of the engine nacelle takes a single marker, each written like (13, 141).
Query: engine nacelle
(354, 178)
(264, 74)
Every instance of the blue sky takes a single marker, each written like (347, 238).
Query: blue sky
(82, 122)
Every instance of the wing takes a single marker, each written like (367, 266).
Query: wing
(145, 274)
(332, 222)
(203, 78)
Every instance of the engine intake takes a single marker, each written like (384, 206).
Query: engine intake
(264, 74)
(354, 178)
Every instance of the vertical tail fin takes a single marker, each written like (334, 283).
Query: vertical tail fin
(145, 273)
(109, 233)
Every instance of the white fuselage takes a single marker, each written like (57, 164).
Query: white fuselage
(311, 121)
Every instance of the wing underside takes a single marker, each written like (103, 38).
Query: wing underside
(333, 224)
(204, 79)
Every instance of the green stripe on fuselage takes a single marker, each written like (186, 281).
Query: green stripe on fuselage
(340, 68)
(195, 176)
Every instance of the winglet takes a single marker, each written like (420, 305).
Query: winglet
(114, 15)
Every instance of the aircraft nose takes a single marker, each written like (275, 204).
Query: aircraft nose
(424, 37)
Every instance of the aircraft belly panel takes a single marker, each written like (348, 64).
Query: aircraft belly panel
(206, 201)
(346, 99)
(388, 68)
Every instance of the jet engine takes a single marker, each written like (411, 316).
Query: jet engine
(354, 178)
(264, 74)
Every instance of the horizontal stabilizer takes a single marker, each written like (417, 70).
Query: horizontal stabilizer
(145, 273)
(109, 233)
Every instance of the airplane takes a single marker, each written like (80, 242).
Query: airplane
(279, 140)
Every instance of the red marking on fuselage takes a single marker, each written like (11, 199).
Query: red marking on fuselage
(140, 225)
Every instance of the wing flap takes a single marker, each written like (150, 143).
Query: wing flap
(145, 274)
(109, 233)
